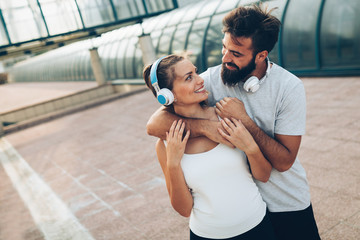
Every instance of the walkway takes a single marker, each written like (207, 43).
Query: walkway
(100, 166)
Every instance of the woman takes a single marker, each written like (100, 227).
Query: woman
(207, 181)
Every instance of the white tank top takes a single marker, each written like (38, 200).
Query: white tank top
(227, 202)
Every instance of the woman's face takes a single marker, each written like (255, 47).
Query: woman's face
(188, 86)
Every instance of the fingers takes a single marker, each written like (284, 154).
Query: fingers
(223, 134)
(186, 137)
(218, 105)
(228, 125)
(226, 137)
(171, 131)
(177, 130)
(181, 131)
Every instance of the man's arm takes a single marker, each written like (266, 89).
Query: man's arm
(161, 121)
(280, 152)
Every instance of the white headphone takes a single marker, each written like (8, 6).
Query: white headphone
(164, 95)
(253, 83)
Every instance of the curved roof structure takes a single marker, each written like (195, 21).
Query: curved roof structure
(318, 37)
(29, 24)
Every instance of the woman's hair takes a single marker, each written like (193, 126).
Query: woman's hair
(255, 23)
(165, 72)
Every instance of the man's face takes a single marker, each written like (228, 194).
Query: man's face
(238, 60)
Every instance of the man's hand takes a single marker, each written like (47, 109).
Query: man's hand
(211, 131)
(238, 135)
(230, 107)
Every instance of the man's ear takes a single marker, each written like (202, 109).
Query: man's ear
(261, 56)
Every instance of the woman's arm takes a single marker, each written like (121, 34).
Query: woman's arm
(169, 158)
(240, 137)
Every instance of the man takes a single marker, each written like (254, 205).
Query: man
(272, 106)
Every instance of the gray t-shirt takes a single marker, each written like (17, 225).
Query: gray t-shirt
(279, 106)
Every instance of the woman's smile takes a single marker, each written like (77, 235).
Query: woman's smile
(201, 89)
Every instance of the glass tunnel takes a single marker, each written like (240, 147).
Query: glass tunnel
(317, 38)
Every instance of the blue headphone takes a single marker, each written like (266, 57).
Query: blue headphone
(164, 95)
(253, 83)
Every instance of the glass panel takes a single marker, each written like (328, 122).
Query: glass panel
(340, 35)
(129, 58)
(128, 8)
(165, 40)
(278, 12)
(209, 9)
(196, 40)
(178, 42)
(193, 11)
(3, 36)
(177, 16)
(139, 65)
(155, 36)
(226, 6)
(165, 18)
(95, 12)
(213, 43)
(73, 70)
(120, 63)
(247, 2)
(150, 24)
(23, 20)
(109, 54)
(61, 15)
(299, 34)
(158, 5)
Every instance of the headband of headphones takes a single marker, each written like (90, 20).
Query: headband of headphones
(153, 75)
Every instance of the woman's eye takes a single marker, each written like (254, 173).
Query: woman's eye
(189, 77)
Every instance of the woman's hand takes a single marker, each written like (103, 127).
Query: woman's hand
(238, 135)
(176, 143)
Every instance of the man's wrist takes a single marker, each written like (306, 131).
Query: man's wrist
(196, 127)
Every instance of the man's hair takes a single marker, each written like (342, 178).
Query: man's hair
(253, 22)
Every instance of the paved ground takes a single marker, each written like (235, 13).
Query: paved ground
(16, 95)
(101, 164)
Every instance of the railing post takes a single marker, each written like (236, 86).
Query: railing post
(2, 133)
(147, 49)
(97, 66)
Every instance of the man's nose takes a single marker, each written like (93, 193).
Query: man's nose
(226, 56)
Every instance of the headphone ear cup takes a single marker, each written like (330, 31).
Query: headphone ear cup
(252, 84)
(165, 96)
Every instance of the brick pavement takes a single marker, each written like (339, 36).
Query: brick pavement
(17, 95)
(101, 163)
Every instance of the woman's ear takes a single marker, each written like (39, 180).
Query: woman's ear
(175, 98)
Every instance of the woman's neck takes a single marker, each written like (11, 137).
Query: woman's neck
(194, 111)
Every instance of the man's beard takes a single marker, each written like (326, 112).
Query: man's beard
(233, 77)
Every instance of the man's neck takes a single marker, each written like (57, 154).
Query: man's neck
(260, 70)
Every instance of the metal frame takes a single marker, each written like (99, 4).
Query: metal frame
(84, 28)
